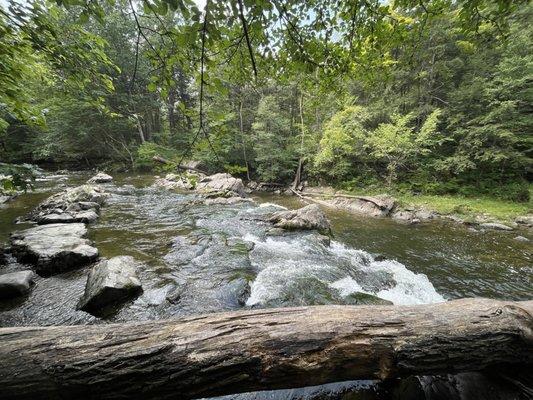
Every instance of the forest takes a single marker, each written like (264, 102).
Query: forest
(410, 97)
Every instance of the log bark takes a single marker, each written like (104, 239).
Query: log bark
(250, 350)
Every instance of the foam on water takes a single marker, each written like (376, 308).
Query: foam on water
(347, 286)
(410, 288)
(263, 205)
(283, 262)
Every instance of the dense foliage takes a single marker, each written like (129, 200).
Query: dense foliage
(427, 97)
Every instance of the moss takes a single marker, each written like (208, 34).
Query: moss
(360, 298)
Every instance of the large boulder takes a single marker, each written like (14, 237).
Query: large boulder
(54, 248)
(15, 284)
(109, 283)
(376, 206)
(68, 217)
(79, 204)
(223, 185)
(101, 177)
(184, 181)
(308, 217)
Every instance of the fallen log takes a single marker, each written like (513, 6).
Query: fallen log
(250, 350)
(164, 161)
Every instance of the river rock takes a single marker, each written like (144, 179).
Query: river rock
(223, 185)
(522, 239)
(496, 226)
(360, 298)
(4, 199)
(425, 215)
(15, 284)
(526, 220)
(227, 201)
(101, 178)
(54, 248)
(403, 215)
(110, 282)
(240, 244)
(184, 181)
(68, 217)
(308, 217)
(79, 204)
(376, 206)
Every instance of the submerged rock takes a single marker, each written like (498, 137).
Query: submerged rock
(496, 226)
(15, 284)
(54, 248)
(101, 178)
(227, 201)
(110, 282)
(222, 184)
(79, 204)
(240, 244)
(308, 217)
(360, 298)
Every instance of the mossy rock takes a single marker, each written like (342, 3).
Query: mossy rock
(360, 299)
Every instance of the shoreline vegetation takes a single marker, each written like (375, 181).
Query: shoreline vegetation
(464, 207)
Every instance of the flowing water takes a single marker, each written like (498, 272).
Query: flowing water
(200, 258)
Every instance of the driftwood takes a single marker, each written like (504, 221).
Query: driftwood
(162, 160)
(223, 353)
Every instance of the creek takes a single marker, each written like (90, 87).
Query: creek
(209, 258)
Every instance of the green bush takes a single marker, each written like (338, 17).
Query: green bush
(146, 152)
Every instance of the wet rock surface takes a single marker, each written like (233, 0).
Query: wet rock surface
(305, 218)
(86, 217)
(110, 282)
(53, 248)
(177, 182)
(222, 184)
(15, 284)
(215, 186)
(79, 204)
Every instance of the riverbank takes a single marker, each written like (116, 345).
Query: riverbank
(483, 212)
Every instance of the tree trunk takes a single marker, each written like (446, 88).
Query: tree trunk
(216, 354)
(140, 128)
(241, 126)
(298, 176)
